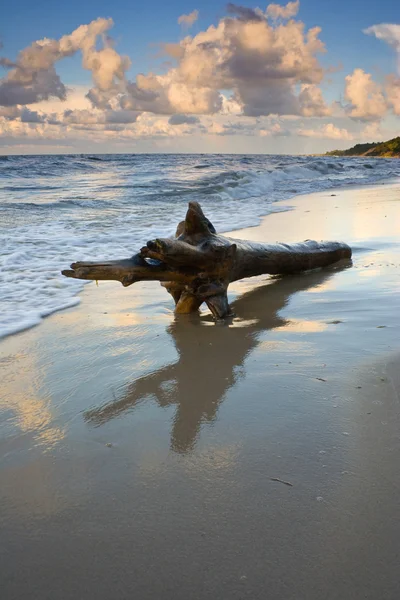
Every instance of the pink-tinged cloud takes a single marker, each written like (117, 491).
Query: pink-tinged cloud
(251, 74)
(390, 33)
(387, 32)
(365, 97)
(328, 131)
(188, 20)
(262, 63)
(276, 11)
(392, 89)
(270, 68)
(33, 78)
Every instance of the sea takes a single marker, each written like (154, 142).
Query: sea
(58, 209)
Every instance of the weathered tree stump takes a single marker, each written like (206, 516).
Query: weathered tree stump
(198, 264)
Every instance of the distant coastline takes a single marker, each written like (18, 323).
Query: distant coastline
(389, 149)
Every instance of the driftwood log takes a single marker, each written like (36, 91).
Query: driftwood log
(198, 264)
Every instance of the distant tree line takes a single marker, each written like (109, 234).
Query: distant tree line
(389, 149)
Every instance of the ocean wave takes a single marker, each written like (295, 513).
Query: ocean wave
(29, 188)
(64, 208)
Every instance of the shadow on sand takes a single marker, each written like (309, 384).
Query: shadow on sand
(210, 358)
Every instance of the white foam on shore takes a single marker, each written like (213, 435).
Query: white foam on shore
(57, 231)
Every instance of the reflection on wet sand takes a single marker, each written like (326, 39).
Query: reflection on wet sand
(23, 405)
(210, 358)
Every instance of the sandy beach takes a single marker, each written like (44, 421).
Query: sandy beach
(153, 457)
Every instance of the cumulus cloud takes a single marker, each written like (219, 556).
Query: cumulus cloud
(31, 116)
(183, 120)
(270, 68)
(262, 63)
(244, 13)
(388, 33)
(311, 102)
(367, 102)
(90, 117)
(329, 131)
(392, 89)
(33, 78)
(10, 112)
(188, 20)
(274, 130)
(23, 114)
(22, 87)
(372, 131)
(230, 128)
(244, 126)
(163, 94)
(77, 128)
(276, 11)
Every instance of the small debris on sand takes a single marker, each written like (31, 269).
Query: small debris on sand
(281, 481)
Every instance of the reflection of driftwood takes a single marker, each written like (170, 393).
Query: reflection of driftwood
(210, 360)
(198, 265)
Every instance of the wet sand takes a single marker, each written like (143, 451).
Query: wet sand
(152, 457)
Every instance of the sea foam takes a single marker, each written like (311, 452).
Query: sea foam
(55, 210)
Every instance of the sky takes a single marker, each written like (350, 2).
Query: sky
(293, 78)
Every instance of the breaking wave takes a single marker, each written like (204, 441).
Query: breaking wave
(75, 207)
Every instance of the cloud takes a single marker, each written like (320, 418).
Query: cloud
(392, 89)
(33, 78)
(22, 87)
(91, 117)
(311, 102)
(261, 63)
(164, 94)
(250, 74)
(240, 128)
(367, 102)
(76, 99)
(386, 32)
(245, 13)
(23, 114)
(389, 33)
(372, 131)
(244, 126)
(329, 131)
(179, 119)
(188, 20)
(269, 68)
(274, 130)
(31, 116)
(76, 126)
(10, 112)
(276, 11)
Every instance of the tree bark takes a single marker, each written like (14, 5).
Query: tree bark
(198, 264)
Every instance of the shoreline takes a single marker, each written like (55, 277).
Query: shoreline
(286, 205)
(152, 451)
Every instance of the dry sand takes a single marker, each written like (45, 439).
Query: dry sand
(145, 457)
